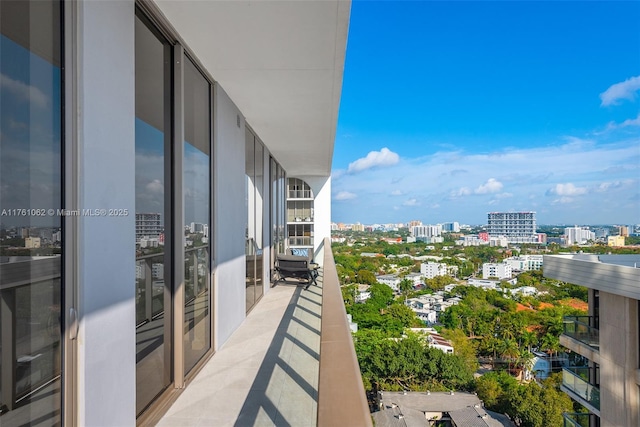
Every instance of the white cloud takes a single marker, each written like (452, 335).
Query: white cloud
(623, 90)
(345, 195)
(491, 186)
(22, 90)
(563, 201)
(397, 193)
(384, 157)
(613, 125)
(585, 163)
(155, 187)
(462, 191)
(631, 122)
(411, 202)
(606, 186)
(567, 189)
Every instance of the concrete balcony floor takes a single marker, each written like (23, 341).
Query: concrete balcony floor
(266, 374)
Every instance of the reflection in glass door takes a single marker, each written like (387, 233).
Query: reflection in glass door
(153, 261)
(31, 228)
(196, 187)
(254, 183)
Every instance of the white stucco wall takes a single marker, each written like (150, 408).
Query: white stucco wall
(106, 372)
(229, 217)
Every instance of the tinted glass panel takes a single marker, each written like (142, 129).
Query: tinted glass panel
(197, 209)
(153, 154)
(251, 247)
(30, 202)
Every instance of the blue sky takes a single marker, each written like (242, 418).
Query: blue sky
(450, 110)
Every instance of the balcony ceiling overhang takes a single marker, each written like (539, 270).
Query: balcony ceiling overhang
(281, 62)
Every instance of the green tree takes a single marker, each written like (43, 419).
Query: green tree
(405, 286)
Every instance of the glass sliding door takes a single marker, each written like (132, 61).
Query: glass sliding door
(251, 248)
(31, 232)
(254, 201)
(196, 187)
(259, 217)
(153, 209)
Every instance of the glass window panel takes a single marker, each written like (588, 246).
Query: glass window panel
(250, 202)
(196, 187)
(152, 148)
(259, 217)
(31, 231)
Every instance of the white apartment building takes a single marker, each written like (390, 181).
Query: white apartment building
(432, 269)
(499, 270)
(471, 240)
(499, 241)
(578, 235)
(426, 230)
(391, 280)
(524, 262)
(416, 278)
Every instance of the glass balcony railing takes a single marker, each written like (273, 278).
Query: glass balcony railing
(579, 419)
(580, 328)
(577, 381)
(301, 241)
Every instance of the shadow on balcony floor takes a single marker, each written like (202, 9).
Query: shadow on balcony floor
(267, 372)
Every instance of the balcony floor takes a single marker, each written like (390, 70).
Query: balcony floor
(266, 374)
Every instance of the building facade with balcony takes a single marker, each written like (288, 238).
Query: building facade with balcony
(195, 112)
(518, 227)
(608, 338)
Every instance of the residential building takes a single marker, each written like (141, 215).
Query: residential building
(498, 270)
(362, 293)
(451, 227)
(524, 262)
(518, 227)
(415, 278)
(615, 241)
(299, 213)
(499, 241)
(423, 409)
(143, 117)
(31, 242)
(432, 269)
(357, 227)
(608, 337)
(623, 230)
(148, 225)
(391, 280)
(426, 230)
(578, 235)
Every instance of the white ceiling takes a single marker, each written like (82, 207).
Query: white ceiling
(281, 62)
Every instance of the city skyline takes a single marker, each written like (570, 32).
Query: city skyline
(445, 116)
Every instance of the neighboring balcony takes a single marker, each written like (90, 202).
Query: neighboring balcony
(575, 382)
(580, 419)
(580, 336)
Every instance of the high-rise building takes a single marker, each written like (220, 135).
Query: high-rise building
(578, 235)
(608, 338)
(148, 225)
(451, 227)
(518, 227)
